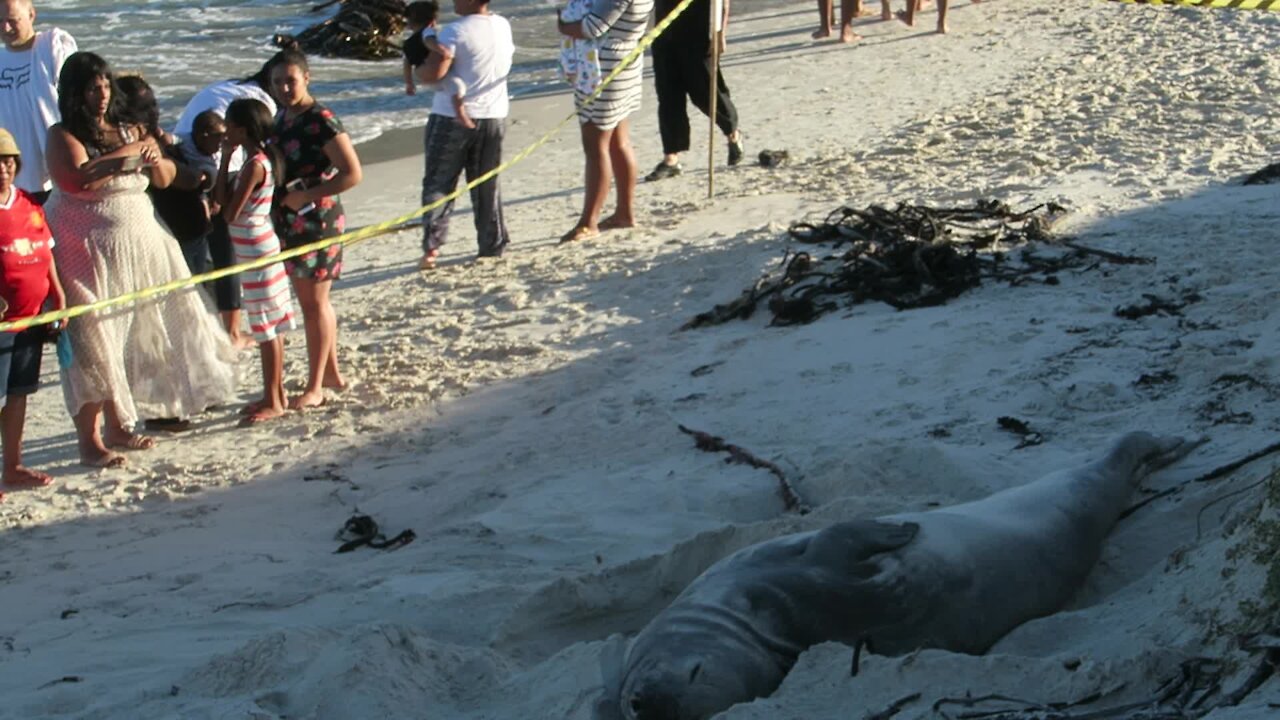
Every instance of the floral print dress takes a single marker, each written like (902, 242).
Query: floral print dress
(301, 139)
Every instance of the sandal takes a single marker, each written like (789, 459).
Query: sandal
(581, 232)
(134, 441)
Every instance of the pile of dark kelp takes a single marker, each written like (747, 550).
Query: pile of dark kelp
(361, 30)
(910, 257)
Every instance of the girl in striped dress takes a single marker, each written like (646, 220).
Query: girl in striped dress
(247, 210)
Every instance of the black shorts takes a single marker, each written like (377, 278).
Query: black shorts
(20, 360)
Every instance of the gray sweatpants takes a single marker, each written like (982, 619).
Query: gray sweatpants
(450, 150)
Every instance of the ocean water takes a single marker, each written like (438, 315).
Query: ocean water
(180, 46)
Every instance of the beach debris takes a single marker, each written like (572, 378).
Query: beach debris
(908, 257)
(360, 30)
(706, 369)
(1022, 429)
(1195, 692)
(1265, 176)
(1156, 305)
(68, 613)
(360, 530)
(61, 680)
(1161, 377)
(774, 158)
(895, 708)
(711, 443)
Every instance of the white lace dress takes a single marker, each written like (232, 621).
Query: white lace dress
(158, 358)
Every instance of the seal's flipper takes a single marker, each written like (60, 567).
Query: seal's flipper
(848, 544)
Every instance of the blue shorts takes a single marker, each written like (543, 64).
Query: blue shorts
(20, 360)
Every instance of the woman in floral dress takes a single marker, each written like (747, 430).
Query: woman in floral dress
(320, 162)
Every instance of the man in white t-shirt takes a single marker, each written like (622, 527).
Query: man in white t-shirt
(29, 67)
(477, 50)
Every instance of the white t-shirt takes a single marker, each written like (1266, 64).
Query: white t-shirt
(482, 50)
(218, 97)
(29, 101)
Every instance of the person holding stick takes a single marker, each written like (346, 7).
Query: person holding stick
(682, 72)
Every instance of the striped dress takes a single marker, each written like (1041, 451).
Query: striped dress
(617, 26)
(267, 302)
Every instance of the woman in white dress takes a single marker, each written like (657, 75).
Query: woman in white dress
(164, 357)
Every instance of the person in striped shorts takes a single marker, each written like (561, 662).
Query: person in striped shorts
(247, 210)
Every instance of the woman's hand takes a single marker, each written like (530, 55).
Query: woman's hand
(150, 153)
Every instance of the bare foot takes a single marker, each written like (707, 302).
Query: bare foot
(261, 415)
(942, 28)
(886, 13)
(906, 18)
(429, 260)
(613, 222)
(254, 407)
(101, 458)
(333, 381)
(307, 400)
(242, 342)
(821, 34)
(24, 478)
(847, 36)
(127, 440)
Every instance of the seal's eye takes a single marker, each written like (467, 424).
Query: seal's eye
(693, 674)
(637, 705)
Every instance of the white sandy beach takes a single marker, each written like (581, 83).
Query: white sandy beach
(521, 416)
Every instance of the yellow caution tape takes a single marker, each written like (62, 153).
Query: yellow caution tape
(1228, 4)
(355, 236)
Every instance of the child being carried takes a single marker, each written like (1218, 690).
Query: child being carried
(420, 17)
(579, 57)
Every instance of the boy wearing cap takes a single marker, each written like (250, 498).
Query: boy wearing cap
(28, 278)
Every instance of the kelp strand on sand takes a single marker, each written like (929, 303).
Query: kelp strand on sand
(737, 454)
(361, 30)
(1196, 691)
(912, 256)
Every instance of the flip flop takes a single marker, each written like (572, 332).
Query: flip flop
(33, 479)
(580, 232)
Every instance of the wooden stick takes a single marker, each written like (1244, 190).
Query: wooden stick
(715, 87)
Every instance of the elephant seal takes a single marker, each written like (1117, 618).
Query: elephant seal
(957, 578)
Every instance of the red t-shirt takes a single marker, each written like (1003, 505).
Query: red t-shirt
(25, 255)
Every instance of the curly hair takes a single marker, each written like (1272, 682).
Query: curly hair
(78, 74)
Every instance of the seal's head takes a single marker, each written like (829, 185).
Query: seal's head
(694, 679)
